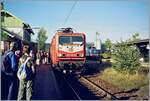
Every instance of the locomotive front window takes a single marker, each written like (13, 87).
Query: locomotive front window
(64, 40)
(77, 39)
(70, 40)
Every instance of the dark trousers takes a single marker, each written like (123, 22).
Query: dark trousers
(10, 90)
(3, 86)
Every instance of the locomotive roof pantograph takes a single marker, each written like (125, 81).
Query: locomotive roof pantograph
(66, 30)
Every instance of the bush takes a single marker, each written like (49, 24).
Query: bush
(106, 55)
(126, 58)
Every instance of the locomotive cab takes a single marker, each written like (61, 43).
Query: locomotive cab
(71, 47)
(70, 50)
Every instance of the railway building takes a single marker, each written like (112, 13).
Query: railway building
(13, 28)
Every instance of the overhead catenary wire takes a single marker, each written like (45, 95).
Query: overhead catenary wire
(70, 12)
(68, 16)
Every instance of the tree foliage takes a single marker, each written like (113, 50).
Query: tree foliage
(4, 35)
(41, 39)
(126, 58)
(108, 44)
(135, 37)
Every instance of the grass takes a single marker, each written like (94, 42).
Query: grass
(124, 81)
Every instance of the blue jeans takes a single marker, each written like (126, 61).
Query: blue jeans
(3, 86)
(11, 87)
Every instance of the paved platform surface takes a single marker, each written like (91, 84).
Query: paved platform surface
(46, 87)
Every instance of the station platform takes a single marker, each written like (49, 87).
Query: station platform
(46, 87)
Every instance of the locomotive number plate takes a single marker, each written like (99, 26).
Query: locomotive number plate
(71, 49)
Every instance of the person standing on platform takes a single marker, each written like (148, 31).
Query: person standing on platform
(26, 67)
(10, 68)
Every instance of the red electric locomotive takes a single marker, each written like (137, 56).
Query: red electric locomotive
(67, 50)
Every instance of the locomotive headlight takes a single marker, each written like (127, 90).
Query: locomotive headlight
(81, 55)
(60, 46)
(60, 55)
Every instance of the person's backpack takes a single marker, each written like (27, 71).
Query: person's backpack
(24, 72)
(6, 63)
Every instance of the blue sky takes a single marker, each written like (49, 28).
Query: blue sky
(112, 19)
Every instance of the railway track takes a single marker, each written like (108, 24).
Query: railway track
(67, 90)
(81, 92)
(97, 90)
(74, 91)
(81, 88)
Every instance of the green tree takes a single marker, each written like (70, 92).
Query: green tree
(135, 37)
(126, 58)
(108, 44)
(41, 39)
(4, 35)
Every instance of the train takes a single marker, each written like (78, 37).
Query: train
(93, 54)
(68, 51)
